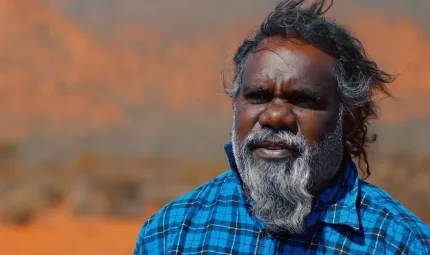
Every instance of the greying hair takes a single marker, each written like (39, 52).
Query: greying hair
(358, 77)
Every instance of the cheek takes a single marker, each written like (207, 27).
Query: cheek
(246, 120)
(314, 125)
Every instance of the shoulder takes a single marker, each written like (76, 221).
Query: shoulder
(383, 216)
(169, 220)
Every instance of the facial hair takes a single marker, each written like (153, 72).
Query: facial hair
(281, 189)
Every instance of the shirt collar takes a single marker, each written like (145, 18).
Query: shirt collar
(228, 148)
(337, 204)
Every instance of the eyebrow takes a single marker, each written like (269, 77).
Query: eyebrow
(253, 88)
(310, 92)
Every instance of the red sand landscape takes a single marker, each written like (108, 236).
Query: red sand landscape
(60, 233)
(60, 79)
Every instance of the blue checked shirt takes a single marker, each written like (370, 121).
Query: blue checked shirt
(350, 217)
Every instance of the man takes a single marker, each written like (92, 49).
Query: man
(302, 97)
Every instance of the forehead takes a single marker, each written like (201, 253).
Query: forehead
(281, 61)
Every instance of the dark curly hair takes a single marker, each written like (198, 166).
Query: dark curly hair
(357, 76)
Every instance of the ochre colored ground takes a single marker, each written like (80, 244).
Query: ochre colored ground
(60, 233)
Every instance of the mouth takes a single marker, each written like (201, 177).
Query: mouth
(274, 150)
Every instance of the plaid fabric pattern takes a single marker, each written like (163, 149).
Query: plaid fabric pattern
(350, 217)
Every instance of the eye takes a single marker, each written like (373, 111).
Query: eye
(259, 97)
(309, 102)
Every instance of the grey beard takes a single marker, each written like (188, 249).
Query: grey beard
(281, 189)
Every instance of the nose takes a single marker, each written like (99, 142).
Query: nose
(279, 116)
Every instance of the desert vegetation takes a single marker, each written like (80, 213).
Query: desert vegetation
(123, 187)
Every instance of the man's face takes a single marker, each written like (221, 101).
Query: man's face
(287, 86)
(287, 134)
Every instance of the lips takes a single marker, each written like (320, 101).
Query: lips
(273, 150)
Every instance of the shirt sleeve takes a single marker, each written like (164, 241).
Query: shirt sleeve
(139, 248)
(150, 239)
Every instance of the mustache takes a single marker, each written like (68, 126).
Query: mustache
(279, 137)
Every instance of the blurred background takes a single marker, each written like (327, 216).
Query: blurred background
(109, 109)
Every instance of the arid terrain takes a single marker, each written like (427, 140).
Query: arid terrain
(110, 109)
(59, 233)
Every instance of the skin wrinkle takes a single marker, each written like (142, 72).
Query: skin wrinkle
(287, 44)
